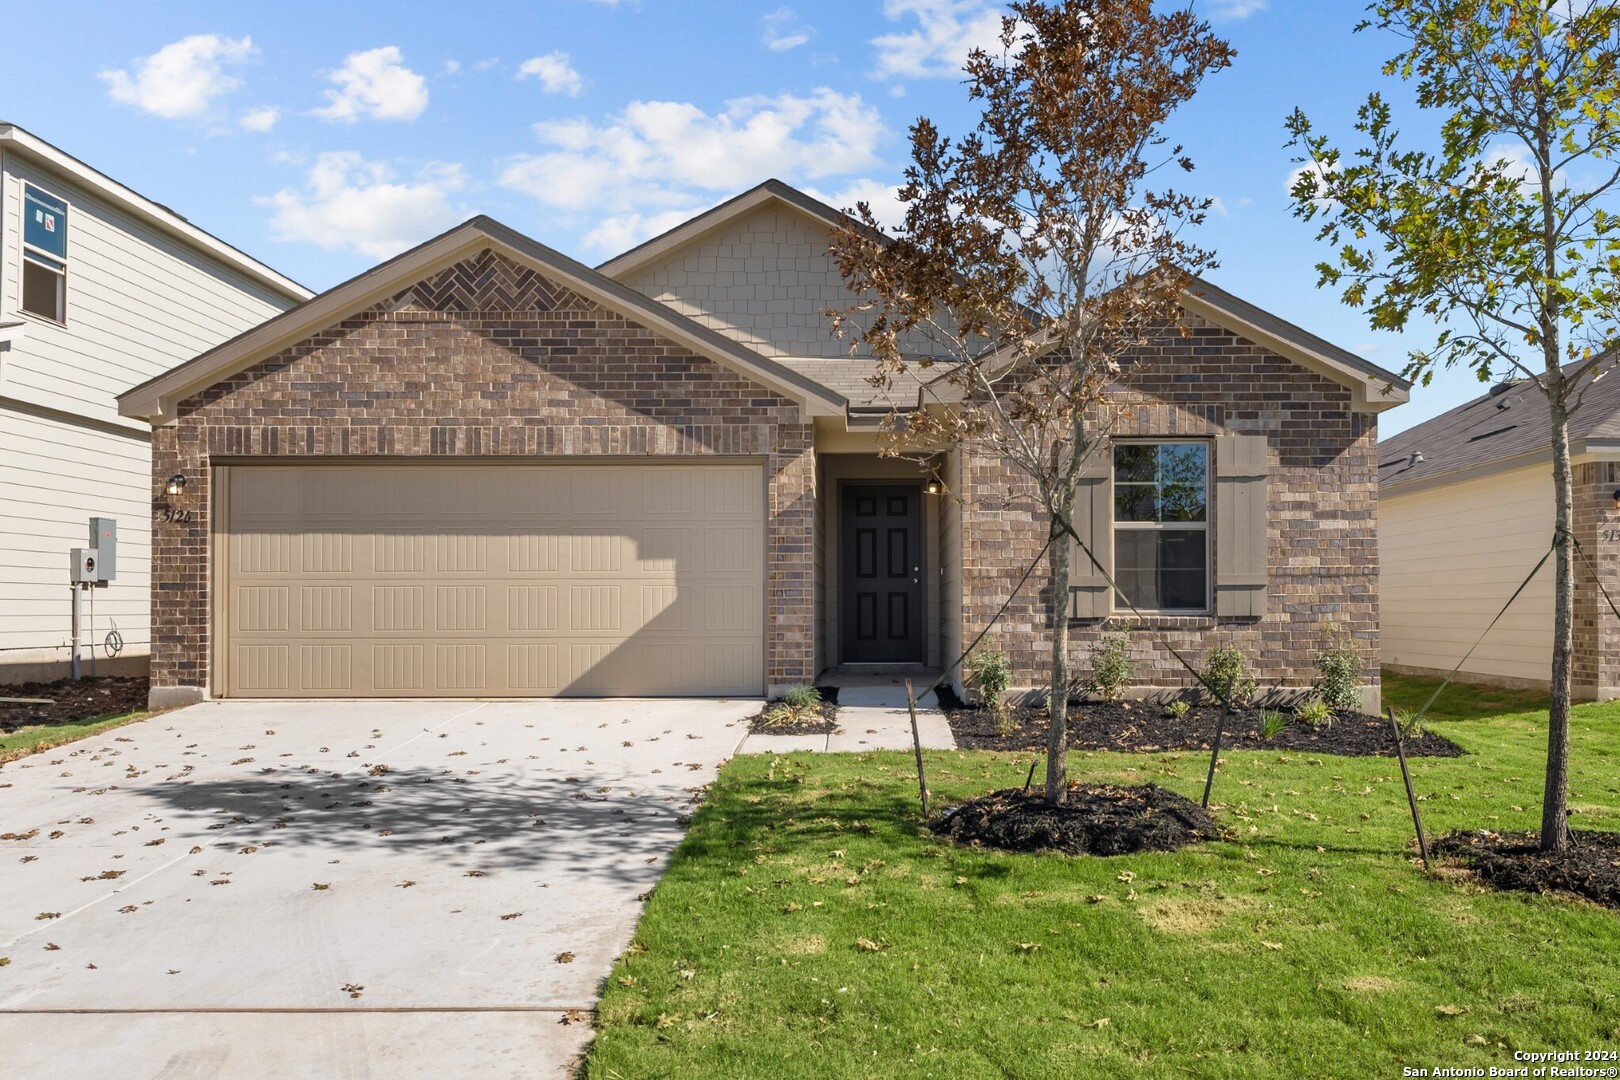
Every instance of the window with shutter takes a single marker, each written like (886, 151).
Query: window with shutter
(1089, 594)
(1242, 551)
(1161, 526)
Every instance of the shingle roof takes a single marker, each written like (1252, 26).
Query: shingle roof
(1497, 427)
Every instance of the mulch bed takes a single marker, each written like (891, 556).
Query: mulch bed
(1589, 867)
(1098, 819)
(72, 701)
(821, 721)
(1140, 727)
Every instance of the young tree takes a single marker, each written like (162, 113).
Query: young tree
(1505, 234)
(1036, 252)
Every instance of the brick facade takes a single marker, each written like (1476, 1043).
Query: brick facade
(1322, 533)
(484, 360)
(1596, 670)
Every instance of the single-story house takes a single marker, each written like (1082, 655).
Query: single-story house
(485, 469)
(100, 288)
(1466, 512)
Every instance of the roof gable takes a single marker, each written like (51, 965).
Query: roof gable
(528, 274)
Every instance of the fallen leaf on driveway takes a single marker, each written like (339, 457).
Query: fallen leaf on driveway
(352, 990)
(321, 886)
(47, 915)
(575, 1016)
(565, 958)
(407, 883)
(513, 915)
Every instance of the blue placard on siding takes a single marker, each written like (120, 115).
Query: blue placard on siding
(45, 222)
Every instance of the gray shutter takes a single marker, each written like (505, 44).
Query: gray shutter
(1241, 549)
(1089, 594)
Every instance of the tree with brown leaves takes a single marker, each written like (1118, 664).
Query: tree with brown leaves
(1036, 254)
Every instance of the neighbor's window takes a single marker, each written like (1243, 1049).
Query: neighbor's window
(44, 255)
(1161, 525)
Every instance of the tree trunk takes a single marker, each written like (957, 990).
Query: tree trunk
(1057, 741)
(1555, 795)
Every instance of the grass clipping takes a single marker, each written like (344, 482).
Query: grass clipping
(1097, 819)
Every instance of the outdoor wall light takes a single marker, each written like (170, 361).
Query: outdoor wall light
(933, 487)
(1617, 498)
(176, 484)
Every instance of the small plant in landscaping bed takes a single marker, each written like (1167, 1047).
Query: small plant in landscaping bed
(1339, 660)
(1226, 673)
(798, 705)
(1178, 708)
(990, 672)
(1111, 664)
(1315, 712)
(801, 697)
(1272, 723)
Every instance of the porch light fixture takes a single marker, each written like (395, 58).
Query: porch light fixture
(934, 487)
(1617, 498)
(176, 485)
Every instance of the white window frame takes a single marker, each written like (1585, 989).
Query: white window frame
(41, 258)
(1115, 525)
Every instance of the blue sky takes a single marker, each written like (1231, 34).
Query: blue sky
(322, 138)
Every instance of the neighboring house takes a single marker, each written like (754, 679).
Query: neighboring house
(100, 289)
(485, 469)
(1466, 512)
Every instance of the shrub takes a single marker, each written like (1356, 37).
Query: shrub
(990, 672)
(801, 697)
(1314, 712)
(780, 714)
(1338, 661)
(1111, 664)
(1272, 723)
(1226, 674)
(1178, 708)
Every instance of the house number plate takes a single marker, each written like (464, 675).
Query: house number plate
(171, 514)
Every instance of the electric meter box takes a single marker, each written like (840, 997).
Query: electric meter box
(104, 539)
(85, 568)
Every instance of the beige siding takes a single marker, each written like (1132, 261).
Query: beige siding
(766, 281)
(1450, 558)
(138, 304)
(55, 474)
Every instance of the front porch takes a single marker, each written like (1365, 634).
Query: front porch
(887, 571)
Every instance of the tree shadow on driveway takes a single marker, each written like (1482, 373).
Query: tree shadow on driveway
(586, 823)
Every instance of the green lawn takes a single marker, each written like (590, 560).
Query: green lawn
(31, 740)
(807, 928)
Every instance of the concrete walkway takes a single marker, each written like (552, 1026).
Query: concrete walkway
(337, 889)
(871, 717)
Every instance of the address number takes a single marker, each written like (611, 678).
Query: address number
(177, 516)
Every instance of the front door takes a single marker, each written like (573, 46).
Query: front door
(882, 575)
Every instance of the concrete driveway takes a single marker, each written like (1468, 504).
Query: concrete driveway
(336, 889)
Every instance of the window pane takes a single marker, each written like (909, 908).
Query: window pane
(45, 222)
(1184, 481)
(1134, 463)
(43, 291)
(1136, 502)
(1162, 570)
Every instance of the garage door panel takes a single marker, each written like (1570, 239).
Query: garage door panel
(460, 581)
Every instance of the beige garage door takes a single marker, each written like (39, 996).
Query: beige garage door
(493, 581)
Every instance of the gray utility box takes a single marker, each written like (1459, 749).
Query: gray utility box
(84, 567)
(104, 539)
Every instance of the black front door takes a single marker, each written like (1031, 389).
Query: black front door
(881, 567)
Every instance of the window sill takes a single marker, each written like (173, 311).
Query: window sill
(1200, 620)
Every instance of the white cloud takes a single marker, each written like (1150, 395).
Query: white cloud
(375, 83)
(620, 232)
(262, 118)
(451, 67)
(556, 73)
(348, 202)
(947, 30)
(784, 31)
(1233, 10)
(658, 157)
(182, 78)
(884, 199)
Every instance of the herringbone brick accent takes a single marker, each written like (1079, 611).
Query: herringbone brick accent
(491, 282)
